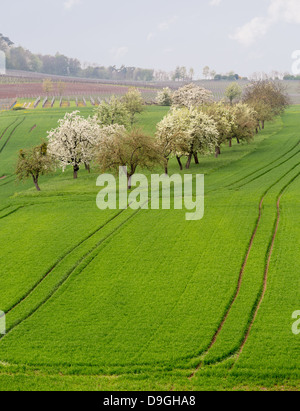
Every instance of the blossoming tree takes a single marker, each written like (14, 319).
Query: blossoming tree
(191, 95)
(186, 132)
(225, 119)
(73, 141)
(164, 97)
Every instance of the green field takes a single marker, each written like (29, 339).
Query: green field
(145, 300)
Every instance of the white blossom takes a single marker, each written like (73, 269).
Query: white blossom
(191, 96)
(73, 141)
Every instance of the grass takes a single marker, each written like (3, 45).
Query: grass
(132, 300)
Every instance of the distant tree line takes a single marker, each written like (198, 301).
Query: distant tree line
(18, 58)
(291, 77)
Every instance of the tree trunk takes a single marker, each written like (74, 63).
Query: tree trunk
(129, 181)
(188, 164)
(179, 162)
(36, 183)
(217, 151)
(87, 167)
(196, 158)
(256, 130)
(166, 166)
(75, 172)
(263, 124)
(230, 143)
(238, 140)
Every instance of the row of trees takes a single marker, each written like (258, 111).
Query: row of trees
(181, 73)
(195, 96)
(195, 125)
(76, 139)
(210, 74)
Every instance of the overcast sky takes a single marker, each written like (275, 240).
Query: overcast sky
(244, 36)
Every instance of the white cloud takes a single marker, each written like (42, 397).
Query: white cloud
(214, 3)
(151, 36)
(292, 11)
(69, 4)
(250, 32)
(163, 26)
(119, 52)
(279, 10)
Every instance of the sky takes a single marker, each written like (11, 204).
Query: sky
(244, 36)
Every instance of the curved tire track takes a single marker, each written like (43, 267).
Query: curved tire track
(10, 135)
(2, 135)
(267, 165)
(268, 171)
(245, 264)
(65, 278)
(266, 274)
(60, 260)
(8, 179)
(11, 212)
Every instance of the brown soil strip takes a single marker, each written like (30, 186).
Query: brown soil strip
(32, 128)
(265, 279)
(238, 286)
(2, 178)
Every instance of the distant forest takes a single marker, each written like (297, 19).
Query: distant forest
(18, 58)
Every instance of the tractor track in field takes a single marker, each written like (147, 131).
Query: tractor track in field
(60, 260)
(267, 165)
(260, 169)
(11, 133)
(3, 133)
(8, 180)
(240, 280)
(11, 212)
(261, 297)
(68, 274)
(266, 273)
(4, 208)
(268, 171)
